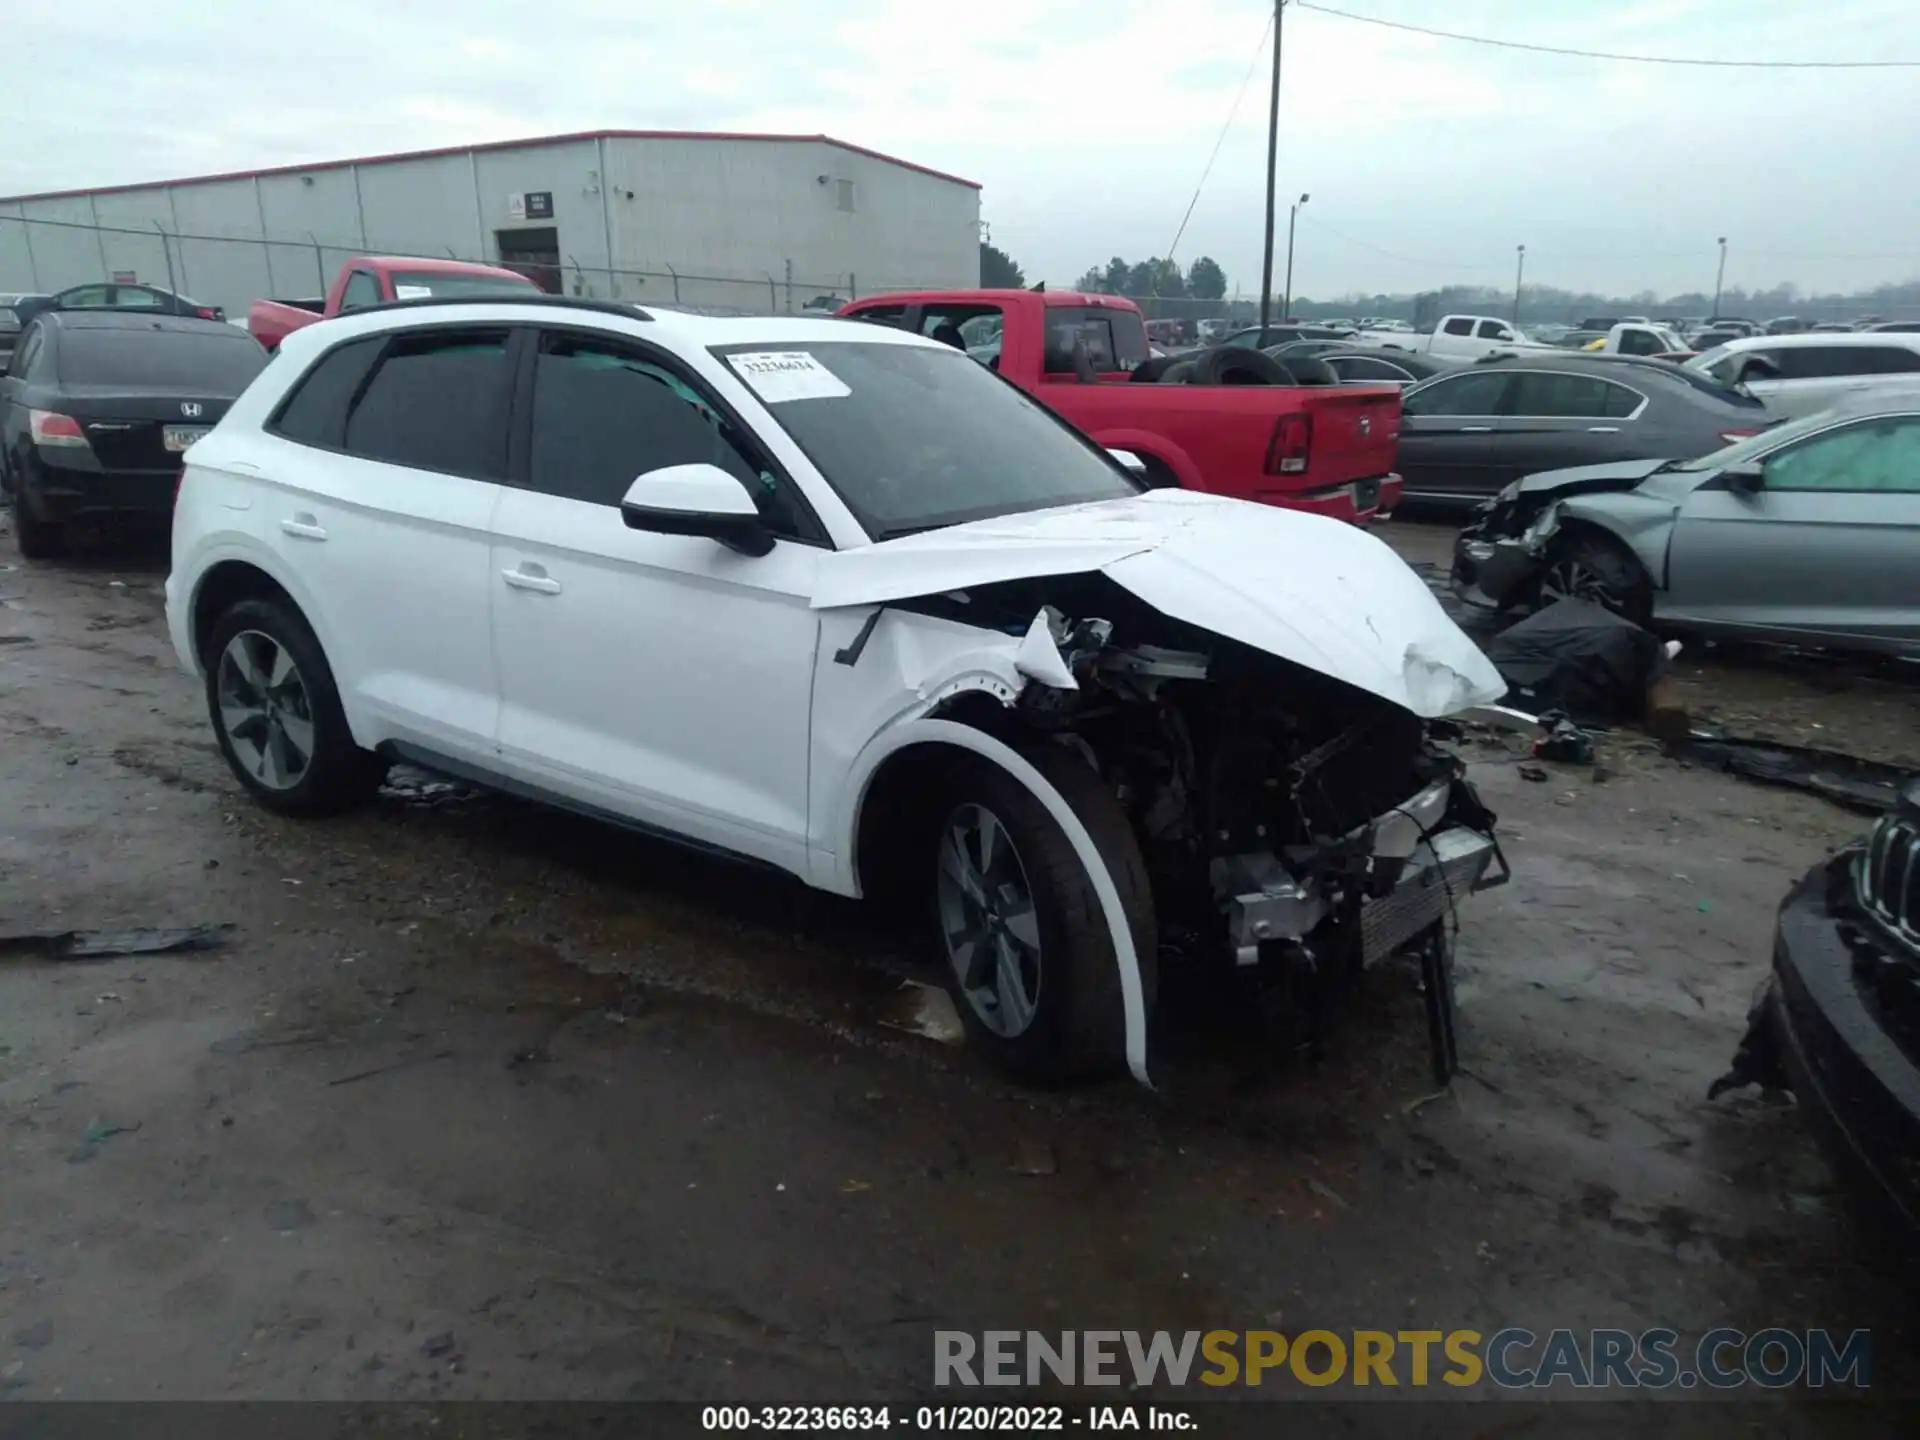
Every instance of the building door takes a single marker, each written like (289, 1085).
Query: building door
(534, 253)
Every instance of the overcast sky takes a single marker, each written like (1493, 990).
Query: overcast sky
(1087, 121)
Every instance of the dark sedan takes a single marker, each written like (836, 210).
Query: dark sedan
(119, 295)
(1468, 434)
(98, 407)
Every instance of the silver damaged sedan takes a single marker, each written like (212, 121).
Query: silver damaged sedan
(1807, 533)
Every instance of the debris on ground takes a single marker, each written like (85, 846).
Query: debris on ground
(1564, 741)
(1534, 773)
(1326, 1192)
(106, 944)
(1867, 787)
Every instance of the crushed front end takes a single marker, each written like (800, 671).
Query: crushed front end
(1296, 830)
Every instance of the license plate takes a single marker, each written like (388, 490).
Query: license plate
(179, 437)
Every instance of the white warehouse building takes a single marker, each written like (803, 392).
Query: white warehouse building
(750, 223)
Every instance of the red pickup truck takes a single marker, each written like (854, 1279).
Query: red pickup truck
(1329, 449)
(374, 280)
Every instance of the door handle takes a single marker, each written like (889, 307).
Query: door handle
(1603, 429)
(531, 577)
(305, 527)
(1476, 429)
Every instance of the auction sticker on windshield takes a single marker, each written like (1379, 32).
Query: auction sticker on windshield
(781, 375)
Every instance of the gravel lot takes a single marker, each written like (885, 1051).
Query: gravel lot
(486, 1102)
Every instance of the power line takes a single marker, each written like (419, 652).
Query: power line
(1219, 140)
(1608, 55)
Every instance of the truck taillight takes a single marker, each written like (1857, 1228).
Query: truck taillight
(1732, 435)
(51, 428)
(1292, 440)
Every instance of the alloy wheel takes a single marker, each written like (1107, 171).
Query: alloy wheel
(1572, 578)
(265, 709)
(988, 921)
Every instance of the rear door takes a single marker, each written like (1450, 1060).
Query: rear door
(1829, 545)
(1559, 418)
(379, 494)
(1449, 429)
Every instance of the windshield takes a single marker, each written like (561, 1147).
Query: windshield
(1755, 446)
(419, 284)
(916, 437)
(218, 361)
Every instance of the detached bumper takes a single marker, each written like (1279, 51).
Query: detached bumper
(1823, 1028)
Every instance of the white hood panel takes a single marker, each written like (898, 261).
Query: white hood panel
(1318, 592)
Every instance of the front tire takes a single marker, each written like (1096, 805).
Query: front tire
(1030, 958)
(1598, 569)
(276, 713)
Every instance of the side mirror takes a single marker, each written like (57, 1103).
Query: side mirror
(1129, 462)
(1745, 480)
(697, 500)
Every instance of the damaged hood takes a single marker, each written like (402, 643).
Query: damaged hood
(1614, 475)
(1318, 592)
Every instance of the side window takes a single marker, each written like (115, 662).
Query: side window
(1459, 326)
(1874, 457)
(1541, 394)
(85, 297)
(1820, 362)
(362, 289)
(895, 315)
(1893, 360)
(136, 297)
(28, 352)
(437, 401)
(1494, 330)
(1478, 394)
(1365, 367)
(316, 412)
(603, 415)
(1639, 342)
(1619, 401)
(965, 327)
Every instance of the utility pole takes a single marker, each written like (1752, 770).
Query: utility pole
(1519, 270)
(1286, 303)
(1273, 160)
(1720, 278)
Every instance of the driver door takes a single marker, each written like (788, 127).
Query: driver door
(665, 679)
(1829, 545)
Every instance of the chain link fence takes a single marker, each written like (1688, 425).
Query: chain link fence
(43, 255)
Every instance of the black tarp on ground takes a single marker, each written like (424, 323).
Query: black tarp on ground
(1866, 787)
(1580, 658)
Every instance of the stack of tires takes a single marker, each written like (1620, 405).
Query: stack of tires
(1233, 365)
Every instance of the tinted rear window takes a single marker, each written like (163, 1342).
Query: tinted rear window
(166, 359)
(1115, 339)
(419, 285)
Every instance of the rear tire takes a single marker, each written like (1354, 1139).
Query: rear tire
(37, 539)
(1587, 565)
(1030, 959)
(277, 716)
(1236, 365)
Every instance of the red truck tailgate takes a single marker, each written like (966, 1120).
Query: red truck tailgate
(1355, 439)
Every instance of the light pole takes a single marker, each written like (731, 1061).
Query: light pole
(1286, 304)
(1273, 155)
(1720, 278)
(1519, 269)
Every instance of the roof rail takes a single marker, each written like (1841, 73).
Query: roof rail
(557, 302)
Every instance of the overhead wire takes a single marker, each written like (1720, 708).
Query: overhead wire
(1232, 114)
(1714, 64)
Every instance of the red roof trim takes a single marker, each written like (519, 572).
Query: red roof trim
(494, 145)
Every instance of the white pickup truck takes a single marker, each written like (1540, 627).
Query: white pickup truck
(1456, 337)
(1632, 338)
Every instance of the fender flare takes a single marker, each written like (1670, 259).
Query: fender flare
(965, 737)
(1151, 446)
